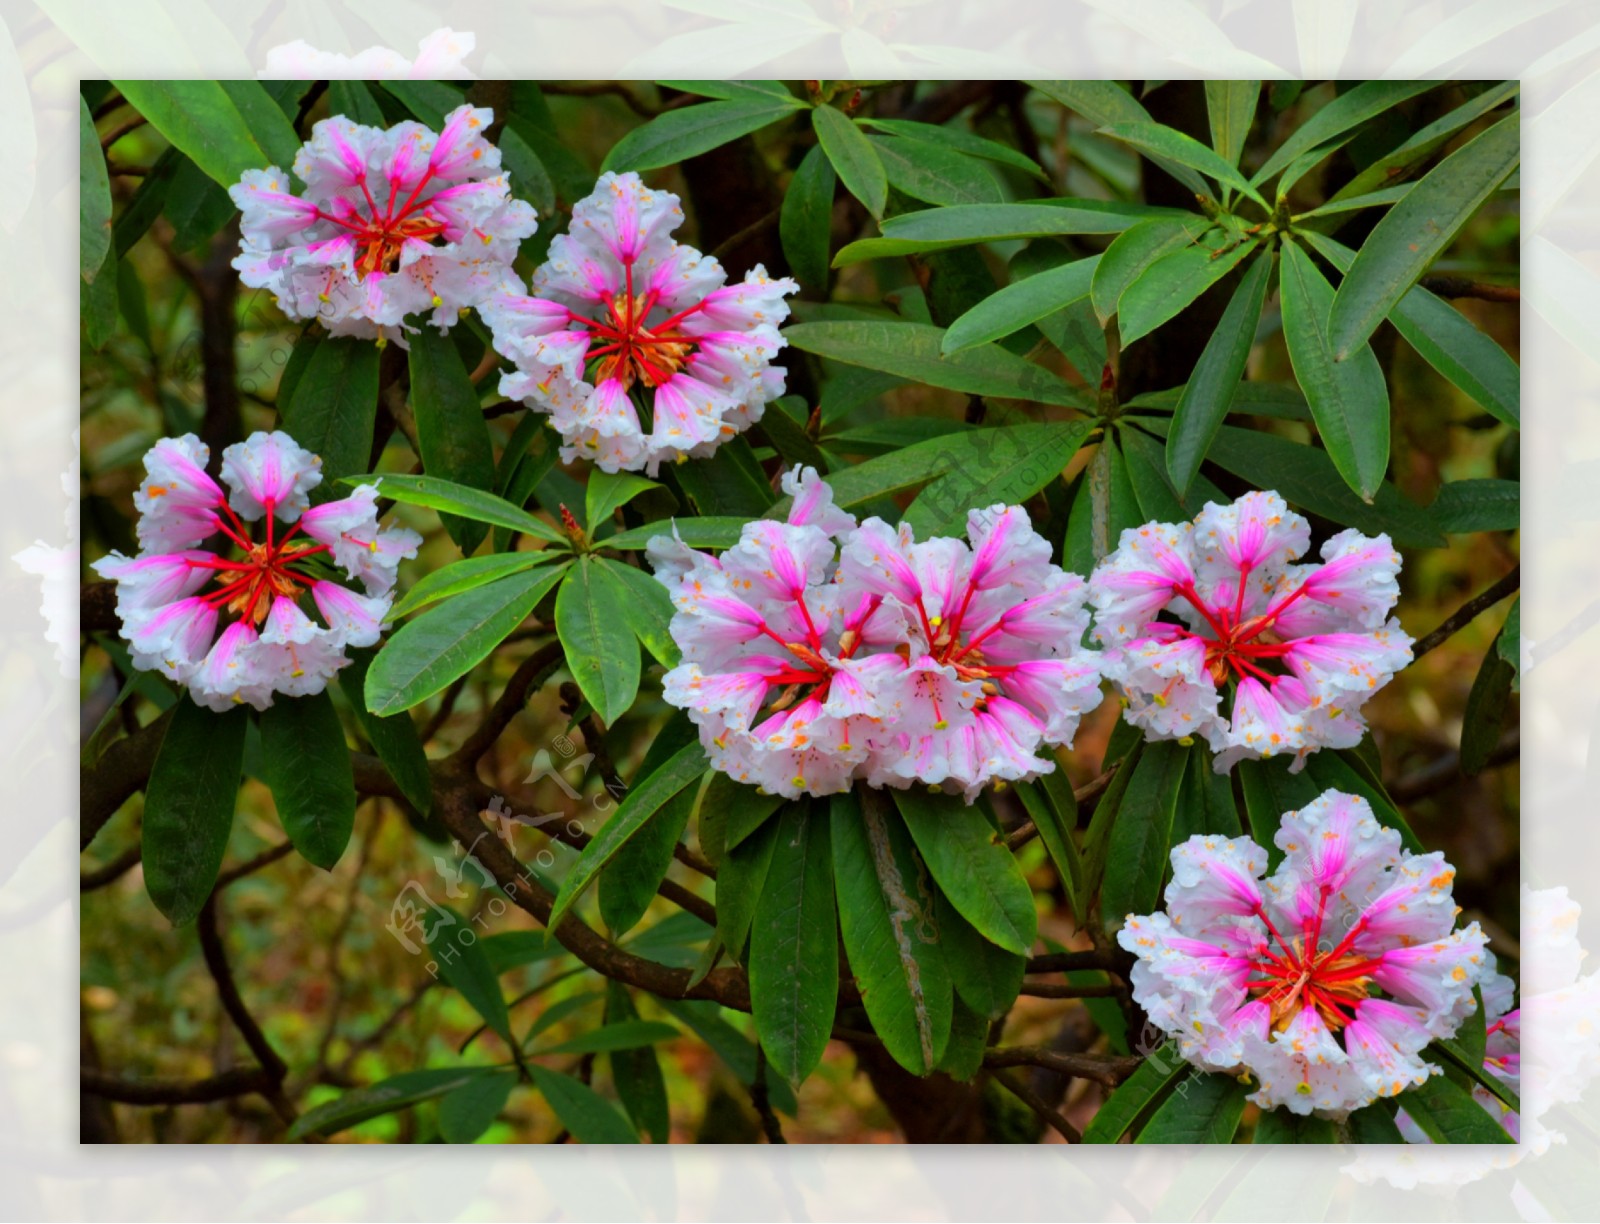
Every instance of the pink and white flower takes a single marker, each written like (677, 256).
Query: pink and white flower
(1324, 981)
(623, 318)
(993, 667)
(391, 223)
(1211, 631)
(270, 645)
(945, 663)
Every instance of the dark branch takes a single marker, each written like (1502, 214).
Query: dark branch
(1107, 1069)
(112, 871)
(238, 1082)
(216, 958)
(1065, 962)
(1462, 287)
(1468, 612)
(1014, 1085)
(509, 704)
(1057, 990)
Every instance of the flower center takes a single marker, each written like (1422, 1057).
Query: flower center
(1299, 974)
(1239, 646)
(247, 587)
(631, 351)
(380, 235)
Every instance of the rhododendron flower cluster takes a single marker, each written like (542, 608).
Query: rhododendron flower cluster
(816, 652)
(268, 643)
(625, 320)
(1194, 612)
(1325, 981)
(392, 223)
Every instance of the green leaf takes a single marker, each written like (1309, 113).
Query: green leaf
(1473, 361)
(395, 1093)
(1447, 340)
(1373, 199)
(1205, 1109)
(748, 809)
(969, 1038)
(1175, 280)
(805, 221)
(606, 492)
(934, 174)
(1055, 817)
(97, 302)
(1160, 142)
(1206, 804)
(450, 427)
(730, 482)
(961, 141)
(934, 229)
(1231, 109)
(629, 882)
(994, 465)
(647, 610)
(1421, 145)
(637, 1073)
(1464, 1064)
(1019, 304)
(584, 1112)
(1141, 838)
(1281, 1126)
(94, 197)
(1349, 399)
(602, 654)
(677, 135)
(1209, 392)
(1447, 1113)
(733, 1047)
(467, 969)
(642, 802)
(1098, 835)
(914, 351)
(1136, 1095)
(451, 639)
(975, 871)
(1307, 479)
(1465, 506)
(188, 807)
(789, 438)
(306, 765)
(741, 879)
(467, 574)
(1133, 251)
(853, 157)
(794, 946)
(201, 120)
(460, 500)
(394, 738)
(706, 532)
(354, 99)
(623, 1035)
(1106, 103)
(891, 934)
(1270, 790)
(1509, 644)
(466, 1112)
(1413, 233)
(1147, 472)
(333, 406)
(774, 90)
(1347, 111)
(1374, 1124)
(985, 977)
(1485, 714)
(269, 125)
(428, 101)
